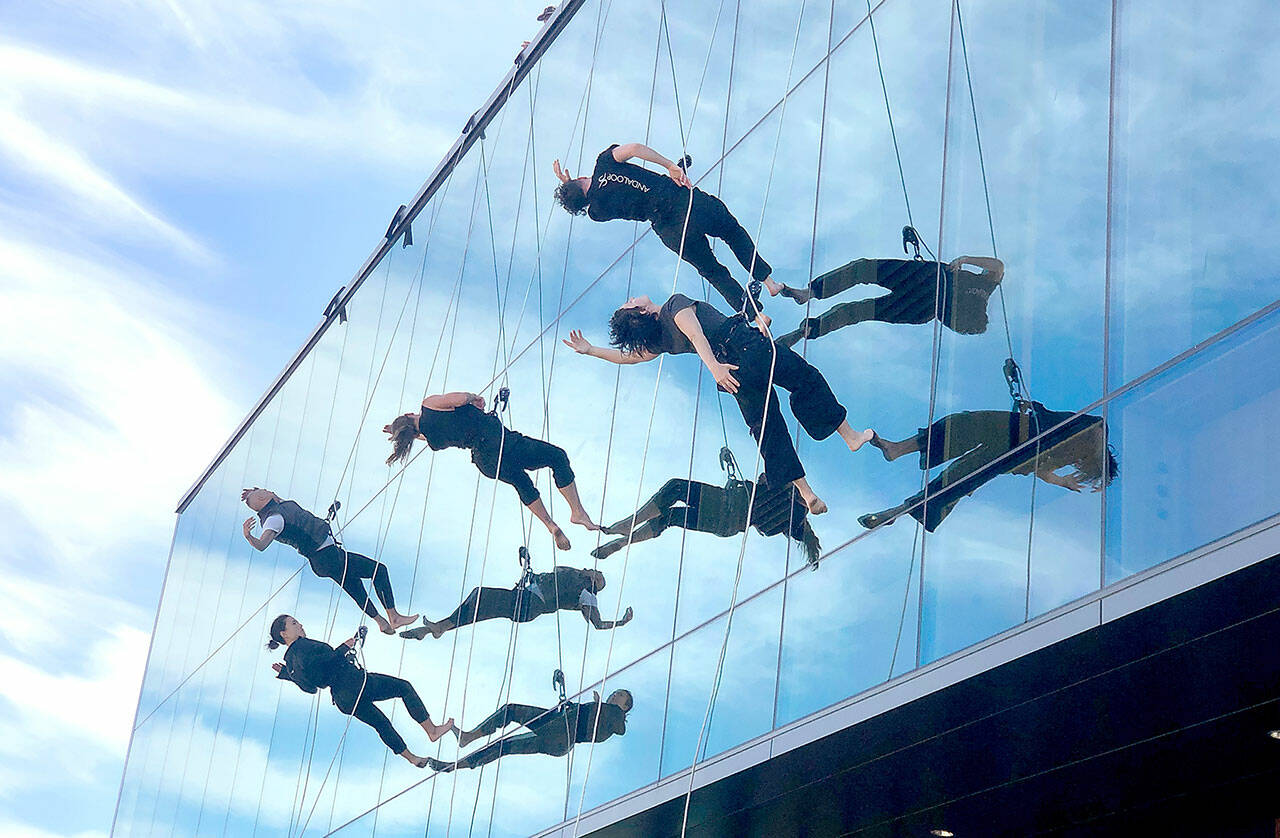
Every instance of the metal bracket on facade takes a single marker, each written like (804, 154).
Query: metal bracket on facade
(397, 222)
(335, 306)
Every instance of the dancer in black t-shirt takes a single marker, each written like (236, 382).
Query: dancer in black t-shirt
(458, 420)
(552, 731)
(314, 665)
(718, 510)
(919, 292)
(976, 441)
(621, 190)
(563, 589)
(741, 360)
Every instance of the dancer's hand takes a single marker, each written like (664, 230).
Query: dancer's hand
(626, 616)
(278, 667)
(577, 342)
(561, 174)
(723, 375)
(248, 527)
(679, 176)
(478, 401)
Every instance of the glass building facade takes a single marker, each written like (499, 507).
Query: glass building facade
(1110, 153)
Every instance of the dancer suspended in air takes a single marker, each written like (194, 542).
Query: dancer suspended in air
(974, 442)
(314, 665)
(739, 359)
(618, 189)
(458, 420)
(919, 291)
(563, 589)
(552, 731)
(718, 510)
(288, 523)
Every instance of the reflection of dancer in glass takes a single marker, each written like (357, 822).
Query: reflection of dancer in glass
(973, 440)
(314, 665)
(458, 420)
(719, 510)
(551, 731)
(919, 291)
(288, 523)
(618, 189)
(564, 588)
(739, 358)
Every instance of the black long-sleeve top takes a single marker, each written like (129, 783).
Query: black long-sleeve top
(314, 665)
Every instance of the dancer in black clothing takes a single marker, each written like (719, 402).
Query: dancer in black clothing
(458, 420)
(919, 291)
(618, 189)
(718, 510)
(314, 665)
(288, 523)
(976, 440)
(739, 359)
(552, 731)
(564, 588)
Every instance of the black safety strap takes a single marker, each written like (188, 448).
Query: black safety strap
(335, 307)
(398, 225)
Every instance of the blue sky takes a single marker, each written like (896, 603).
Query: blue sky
(186, 184)
(182, 187)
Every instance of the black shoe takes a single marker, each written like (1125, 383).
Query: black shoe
(874, 519)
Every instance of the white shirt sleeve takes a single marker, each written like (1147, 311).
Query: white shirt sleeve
(587, 598)
(275, 523)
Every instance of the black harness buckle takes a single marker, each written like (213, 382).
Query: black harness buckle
(1013, 378)
(912, 238)
(557, 681)
(333, 510)
(500, 403)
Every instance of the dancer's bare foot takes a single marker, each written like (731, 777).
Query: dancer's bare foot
(854, 439)
(384, 626)
(774, 287)
(800, 295)
(607, 549)
(427, 627)
(583, 519)
(466, 737)
(399, 620)
(893, 450)
(861, 438)
(562, 540)
(413, 759)
(434, 732)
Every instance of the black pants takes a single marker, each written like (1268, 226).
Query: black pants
(710, 218)
(971, 441)
(379, 688)
(551, 734)
(350, 570)
(704, 508)
(917, 294)
(812, 401)
(498, 604)
(521, 454)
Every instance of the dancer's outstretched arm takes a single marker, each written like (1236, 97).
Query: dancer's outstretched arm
(582, 346)
(592, 615)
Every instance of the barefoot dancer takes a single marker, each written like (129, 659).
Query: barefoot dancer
(618, 189)
(718, 510)
(919, 291)
(974, 440)
(565, 588)
(739, 358)
(288, 523)
(314, 665)
(552, 731)
(458, 420)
